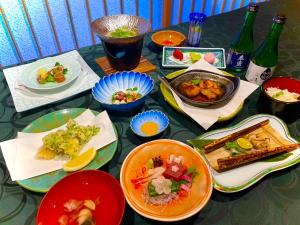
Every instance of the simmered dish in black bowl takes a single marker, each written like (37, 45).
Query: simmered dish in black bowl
(202, 88)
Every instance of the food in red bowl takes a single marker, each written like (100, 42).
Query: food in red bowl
(281, 96)
(168, 38)
(85, 197)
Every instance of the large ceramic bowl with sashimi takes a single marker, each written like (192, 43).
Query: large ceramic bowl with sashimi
(123, 91)
(166, 180)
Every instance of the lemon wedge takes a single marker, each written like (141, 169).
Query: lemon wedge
(244, 143)
(80, 161)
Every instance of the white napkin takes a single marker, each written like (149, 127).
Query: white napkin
(20, 153)
(25, 98)
(206, 117)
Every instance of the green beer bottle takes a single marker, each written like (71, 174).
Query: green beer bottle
(265, 57)
(242, 46)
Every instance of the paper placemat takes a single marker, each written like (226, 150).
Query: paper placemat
(25, 99)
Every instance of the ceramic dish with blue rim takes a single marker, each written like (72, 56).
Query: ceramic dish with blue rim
(149, 123)
(123, 91)
(242, 177)
(30, 73)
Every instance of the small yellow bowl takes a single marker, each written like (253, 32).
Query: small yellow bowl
(168, 38)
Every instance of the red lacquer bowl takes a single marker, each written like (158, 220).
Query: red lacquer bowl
(281, 108)
(82, 185)
(289, 83)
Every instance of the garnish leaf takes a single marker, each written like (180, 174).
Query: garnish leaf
(175, 186)
(65, 70)
(50, 78)
(277, 157)
(128, 95)
(132, 89)
(233, 147)
(277, 94)
(192, 171)
(199, 143)
(196, 82)
(151, 190)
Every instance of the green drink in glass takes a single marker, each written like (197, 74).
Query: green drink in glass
(265, 57)
(242, 45)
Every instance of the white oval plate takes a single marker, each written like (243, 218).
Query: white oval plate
(29, 75)
(240, 178)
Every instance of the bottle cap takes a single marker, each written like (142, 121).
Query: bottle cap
(279, 18)
(197, 17)
(253, 7)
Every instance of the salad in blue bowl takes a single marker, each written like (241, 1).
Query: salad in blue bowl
(123, 91)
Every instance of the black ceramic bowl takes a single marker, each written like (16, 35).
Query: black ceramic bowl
(230, 85)
(286, 110)
(123, 53)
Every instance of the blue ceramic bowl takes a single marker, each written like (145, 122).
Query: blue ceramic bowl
(120, 81)
(155, 116)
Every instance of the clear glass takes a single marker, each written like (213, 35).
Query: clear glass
(196, 23)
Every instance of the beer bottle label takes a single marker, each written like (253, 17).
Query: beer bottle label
(238, 60)
(258, 74)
